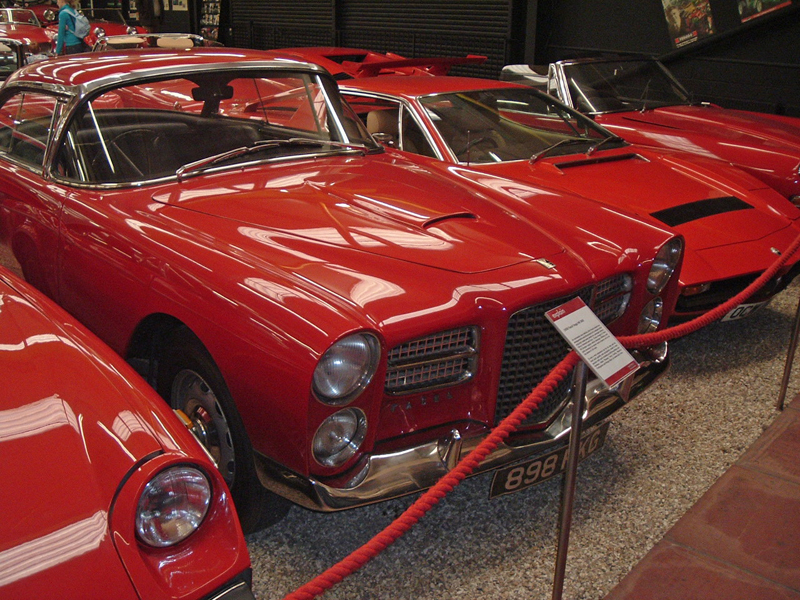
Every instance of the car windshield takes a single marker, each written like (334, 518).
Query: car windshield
(600, 87)
(18, 16)
(177, 127)
(505, 124)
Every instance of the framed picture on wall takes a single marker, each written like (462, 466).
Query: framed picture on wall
(688, 20)
(750, 9)
(179, 4)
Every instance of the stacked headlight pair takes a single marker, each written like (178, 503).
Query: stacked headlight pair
(661, 271)
(343, 372)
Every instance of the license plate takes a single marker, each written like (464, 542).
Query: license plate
(744, 310)
(536, 470)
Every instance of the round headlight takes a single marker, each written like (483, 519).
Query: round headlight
(650, 318)
(172, 506)
(346, 369)
(664, 265)
(339, 437)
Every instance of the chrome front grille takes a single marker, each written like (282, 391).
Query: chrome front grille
(533, 347)
(434, 361)
(612, 297)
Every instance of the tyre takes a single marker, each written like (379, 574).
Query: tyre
(189, 381)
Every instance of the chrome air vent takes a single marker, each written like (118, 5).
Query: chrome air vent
(533, 347)
(441, 359)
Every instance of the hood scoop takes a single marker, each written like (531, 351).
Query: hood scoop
(600, 159)
(435, 221)
(693, 211)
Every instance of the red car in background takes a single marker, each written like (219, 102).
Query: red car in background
(641, 101)
(46, 10)
(23, 25)
(733, 224)
(340, 323)
(347, 63)
(104, 22)
(107, 493)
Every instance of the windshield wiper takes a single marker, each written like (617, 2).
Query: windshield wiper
(549, 149)
(208, 161)
(611, 138)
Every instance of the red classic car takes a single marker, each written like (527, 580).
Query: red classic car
(153, 40)
(103, 21)
(639, 100)
(107, 494)
(22, 24)
(340, 323)
(45, 10)
(733, 224)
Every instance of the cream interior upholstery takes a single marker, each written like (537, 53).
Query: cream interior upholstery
(383, 121)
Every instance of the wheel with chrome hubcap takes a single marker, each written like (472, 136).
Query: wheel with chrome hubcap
(190, 381)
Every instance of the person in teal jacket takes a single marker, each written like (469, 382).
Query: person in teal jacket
(68, 42)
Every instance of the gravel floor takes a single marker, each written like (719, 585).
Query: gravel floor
(662, 453)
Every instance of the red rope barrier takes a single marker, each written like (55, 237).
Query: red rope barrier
(469, 463)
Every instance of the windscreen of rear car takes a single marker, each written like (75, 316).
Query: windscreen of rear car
(149, 130)
(504, 124)
(621, 86)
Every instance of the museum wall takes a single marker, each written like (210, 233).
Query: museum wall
(748, 60)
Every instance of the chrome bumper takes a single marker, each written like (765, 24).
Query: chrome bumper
(394, 474)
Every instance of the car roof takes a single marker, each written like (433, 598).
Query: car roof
(94, 69)
(423, 85)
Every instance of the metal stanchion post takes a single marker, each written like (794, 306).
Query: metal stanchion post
(787, 369)
(568, 493)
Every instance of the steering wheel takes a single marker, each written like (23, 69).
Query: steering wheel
(137, 142)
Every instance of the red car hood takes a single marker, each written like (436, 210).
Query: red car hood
(734, 126)
(383, 205)
(66, 447)
(24, 32)
(666, 190)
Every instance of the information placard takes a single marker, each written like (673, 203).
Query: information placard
(594, 343)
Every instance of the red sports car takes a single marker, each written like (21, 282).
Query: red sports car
(46, 10)
(639, 100)
(734, 225)
(107, 494)
(348, 63)
(339, 323)
(153, 40)
(21, 24)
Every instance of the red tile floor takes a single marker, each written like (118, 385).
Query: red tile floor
(741, 541)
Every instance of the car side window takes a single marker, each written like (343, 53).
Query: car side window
(26, 121)
(391, 124)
